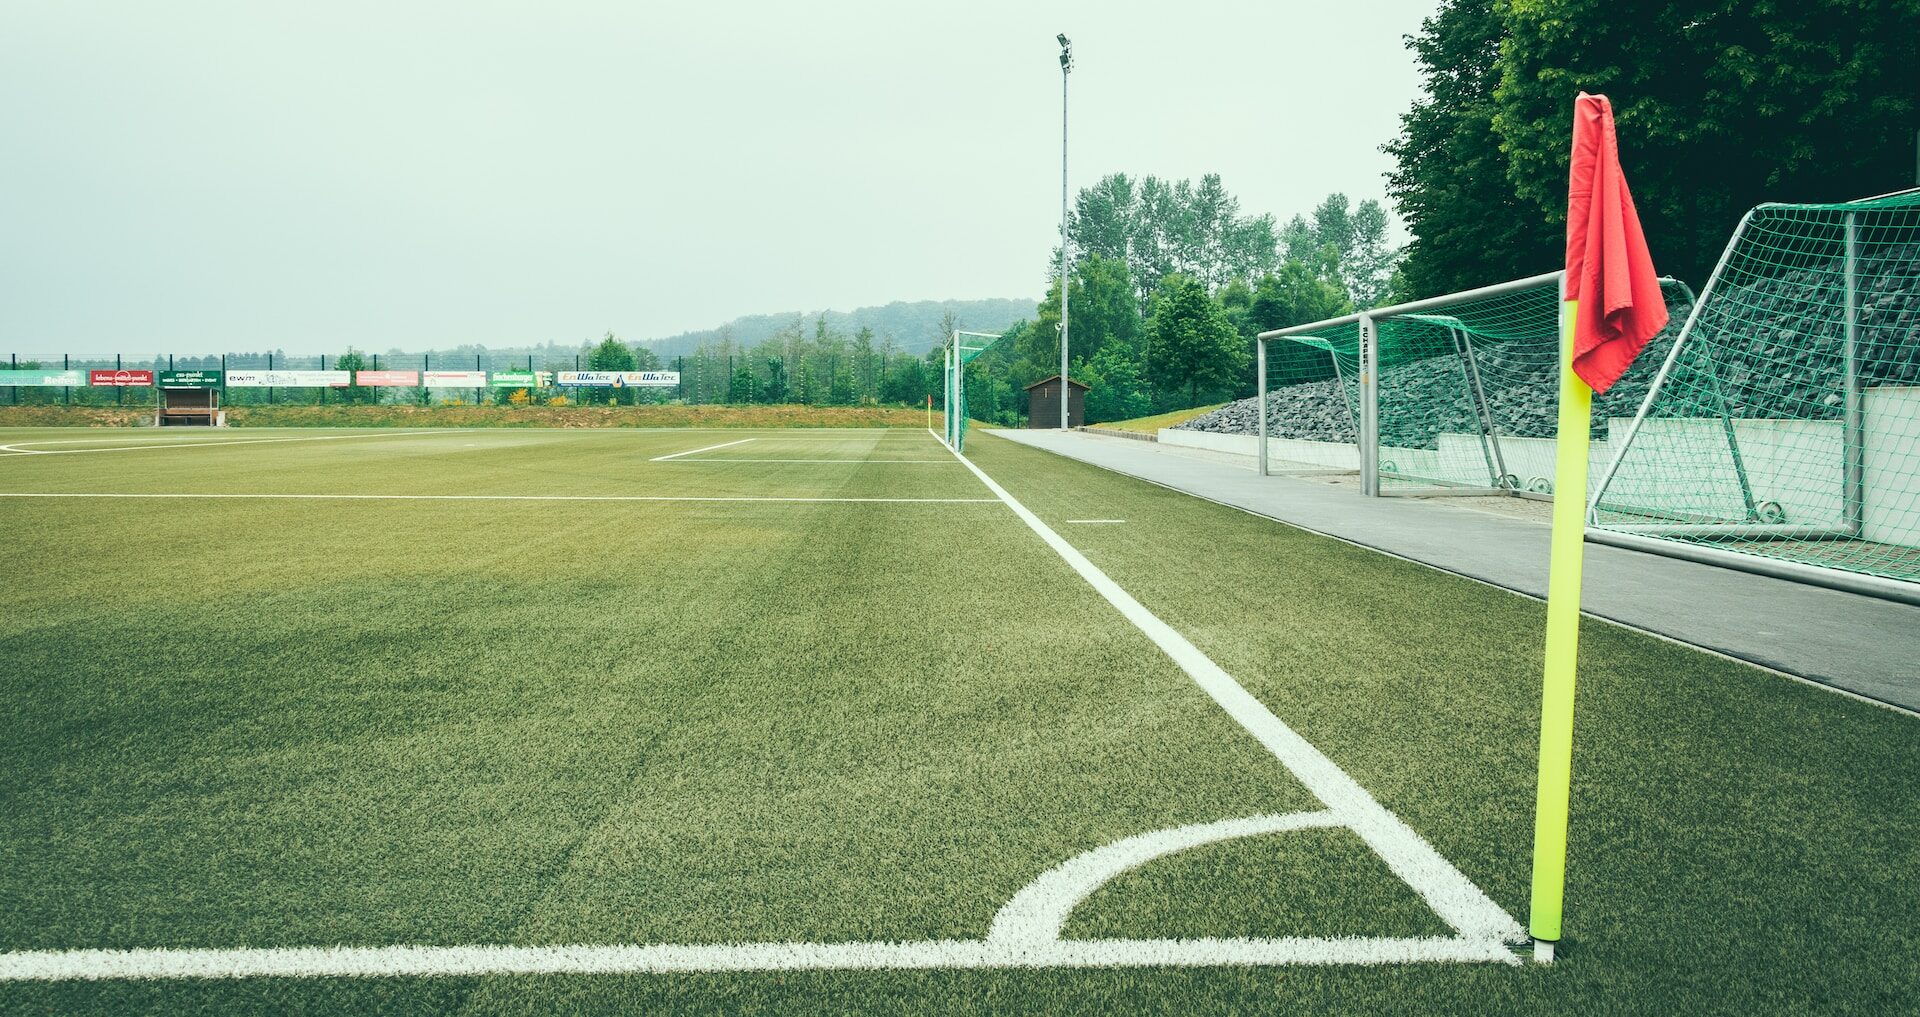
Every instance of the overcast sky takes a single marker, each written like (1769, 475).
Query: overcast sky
(207, 177)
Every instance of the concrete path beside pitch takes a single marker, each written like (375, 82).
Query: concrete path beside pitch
(1860, 644)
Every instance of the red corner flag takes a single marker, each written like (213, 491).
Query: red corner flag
(1608, 269)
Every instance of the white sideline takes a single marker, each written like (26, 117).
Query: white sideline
(691, 451)
(17, 450)
(440, 961)
(502, 497)
(1449, 893)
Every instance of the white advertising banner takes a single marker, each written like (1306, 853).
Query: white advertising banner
(454, 379)
(619, 379)
(288, 379)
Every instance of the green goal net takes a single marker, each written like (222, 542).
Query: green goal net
(1313, 401)
(1785, 422)
(1457, 396)
(962, 348)
(1468, 392)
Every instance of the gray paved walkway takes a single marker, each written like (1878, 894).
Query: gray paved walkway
(1864, 645)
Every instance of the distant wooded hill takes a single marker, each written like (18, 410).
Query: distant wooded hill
(913, 325)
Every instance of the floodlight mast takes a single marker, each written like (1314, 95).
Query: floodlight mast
(1066, 67)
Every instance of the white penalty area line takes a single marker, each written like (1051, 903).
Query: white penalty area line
(17, 450)
(1451, 895)
(691, 451)
(493, 497)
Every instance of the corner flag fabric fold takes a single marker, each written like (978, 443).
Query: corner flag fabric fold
(1609, 270)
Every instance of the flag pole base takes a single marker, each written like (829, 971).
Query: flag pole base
(1542, 952)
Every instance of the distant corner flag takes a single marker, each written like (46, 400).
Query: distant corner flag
(1612, 305)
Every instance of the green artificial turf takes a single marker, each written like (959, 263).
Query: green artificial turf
(305, 722)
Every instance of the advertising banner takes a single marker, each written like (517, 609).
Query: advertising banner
(619, 379)
(288, 379)
(454, 379)
(514, 379)
(188, 379)
(119, 379)
(390, 378)
(43, 378)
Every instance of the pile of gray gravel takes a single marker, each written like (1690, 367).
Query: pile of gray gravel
(1769, 348)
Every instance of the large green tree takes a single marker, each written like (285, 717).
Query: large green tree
(1192, 349)
(610, 355)
(1158, 227)
(1450, 177)
(1346, 245)
(1722, 105)
(353, 362)
(1101, 309)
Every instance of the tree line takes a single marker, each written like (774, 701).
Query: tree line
(1721, 106)
(1168, 286)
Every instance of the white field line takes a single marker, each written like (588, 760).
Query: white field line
(691, 451)
(1038, 912)
(843, 462)
(390, 961)
(17, 450)
(1449, 893)
(500, 497)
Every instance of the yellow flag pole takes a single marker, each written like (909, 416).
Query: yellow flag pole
(1563, 641)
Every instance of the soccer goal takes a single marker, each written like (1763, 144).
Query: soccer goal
(1782, 431)
(1453, 395)
(962, 348)
(1309, 393)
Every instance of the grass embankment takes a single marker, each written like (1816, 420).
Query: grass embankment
(666, 415)
(1151, 425)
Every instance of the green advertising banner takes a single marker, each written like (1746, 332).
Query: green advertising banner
(43, 379)
(514, 379)
(187, 379)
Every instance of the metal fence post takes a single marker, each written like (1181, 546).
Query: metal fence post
(66, 364)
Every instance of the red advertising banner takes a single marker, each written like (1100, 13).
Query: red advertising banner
(119, 379)
(393, 378)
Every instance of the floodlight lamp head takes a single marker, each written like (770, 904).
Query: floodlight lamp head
(1063, 40)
